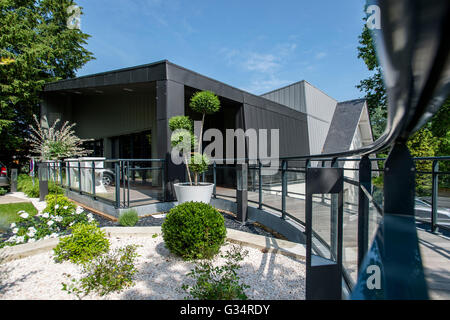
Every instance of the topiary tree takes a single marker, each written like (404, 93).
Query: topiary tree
(199, 163)
(182, 139)
(204, 102)
(194, 230)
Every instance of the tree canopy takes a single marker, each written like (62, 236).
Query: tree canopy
(36, 47)
(433, 139)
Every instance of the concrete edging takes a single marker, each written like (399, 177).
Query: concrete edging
(265, 244)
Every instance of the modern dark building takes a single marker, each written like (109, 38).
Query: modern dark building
(125, 112)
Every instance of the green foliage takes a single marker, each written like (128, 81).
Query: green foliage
(194, 230)
(107, 273)
(180, 123)
(423, 144)
(218, 282)
(86, 242)
(373, 87)
(199, 163)
(55, 220)
(40, 49)
(183, 140)
(25, 185)
(129, 218)
(205, 102)
(3, 191)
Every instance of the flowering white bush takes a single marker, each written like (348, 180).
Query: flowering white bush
(59, 215)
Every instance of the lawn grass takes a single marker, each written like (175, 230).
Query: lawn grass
(8, 212)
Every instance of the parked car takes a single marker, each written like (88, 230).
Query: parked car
(108, 177)
(423, 211)
(4, 180)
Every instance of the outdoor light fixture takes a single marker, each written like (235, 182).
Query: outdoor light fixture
(43, 181)
(241, 191)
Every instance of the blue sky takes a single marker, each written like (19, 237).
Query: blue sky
(256, 46)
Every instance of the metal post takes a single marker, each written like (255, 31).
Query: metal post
(43, 180)
(242, 192)
(13, 180)
(283, 188)
(214, 180)
(163, 183)
(260, 198)
(434, 195)
(122, 165)
(334, 204)
(93, 178)
(60, 173)
(117, 171)
(365, 180)
(69, 183)
(79, 177)
(128, 184)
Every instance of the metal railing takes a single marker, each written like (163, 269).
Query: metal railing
(120, 182)
(363, 199)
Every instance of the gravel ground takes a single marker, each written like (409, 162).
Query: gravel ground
(230, 222)
(160, 276)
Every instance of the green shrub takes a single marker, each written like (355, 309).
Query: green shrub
(25, 185)
(218, 283)
(111, 272)
(129, 218)
(194, 230)
(86, 242)
(3, 191)
(180, 122)
(59, 204)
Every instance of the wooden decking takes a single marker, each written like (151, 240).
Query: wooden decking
(435, 248)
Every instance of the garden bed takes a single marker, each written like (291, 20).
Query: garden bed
(160, 274)
(230, 222)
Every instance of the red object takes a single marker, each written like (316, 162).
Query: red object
(3, 171)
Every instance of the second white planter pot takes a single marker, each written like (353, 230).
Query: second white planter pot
(201, 193)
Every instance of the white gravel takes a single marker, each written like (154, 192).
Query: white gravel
(161, 274)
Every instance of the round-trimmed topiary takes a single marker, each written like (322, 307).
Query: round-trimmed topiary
(194, 230)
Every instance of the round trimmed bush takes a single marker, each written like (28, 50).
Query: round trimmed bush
(194, 230)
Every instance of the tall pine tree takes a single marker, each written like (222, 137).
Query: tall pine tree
(36, 47)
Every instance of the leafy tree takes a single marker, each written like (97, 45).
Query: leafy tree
(373, 87)
(440, 127)
(36, 47)
(423, 144)
(432, 140)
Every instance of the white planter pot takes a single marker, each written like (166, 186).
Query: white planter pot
(200, 193)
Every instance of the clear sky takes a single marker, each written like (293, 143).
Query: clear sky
(257, 46)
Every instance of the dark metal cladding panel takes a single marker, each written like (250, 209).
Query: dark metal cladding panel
(124, 77)
(198, 81)
(145, 73)
(293, 132)
(139, 75)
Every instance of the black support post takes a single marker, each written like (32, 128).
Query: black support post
(117, 172)
(283, 188)
(93, 178)
(434, 195)
(260, 193)
(365, 180)
(214, 180)
(79, 177)
(242, 192)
